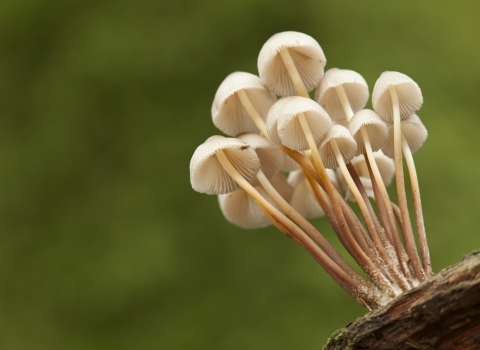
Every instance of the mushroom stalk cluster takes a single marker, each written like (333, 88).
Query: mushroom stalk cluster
(335, 151)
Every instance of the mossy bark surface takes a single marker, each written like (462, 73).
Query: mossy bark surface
(441, 313)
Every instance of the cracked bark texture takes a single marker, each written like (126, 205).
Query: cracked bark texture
(441, 313)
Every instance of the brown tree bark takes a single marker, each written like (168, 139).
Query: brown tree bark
(441, 313)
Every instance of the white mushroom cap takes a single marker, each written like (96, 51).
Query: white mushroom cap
(283, 187)
(228, 113)
(207, 174)
(413, 131)
(272, 119)
(385, 165)
(289, 128)
(332, 174)
(341, 180)
(367, 184)
(240, 208)
(271, 158)
(410, 97)
(346, 145)
(355, 87)
(376, 129)
(289, 164)
(306, 53)
(303, 199)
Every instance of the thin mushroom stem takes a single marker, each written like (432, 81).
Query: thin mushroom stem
(394, 237)
(359, 234)
(362, 288)
(398, 218)
(367, 265)
(383, 244)
(317, 237)
(293, 73)
(329, 213)
(417, 204)
(401, 255)
(347, 108)
(252, 112)
(402, 198)
(353, 187)
(342, 96)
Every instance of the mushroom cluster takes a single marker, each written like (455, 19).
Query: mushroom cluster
(334, 151)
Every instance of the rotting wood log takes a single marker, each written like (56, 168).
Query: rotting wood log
(441, 313)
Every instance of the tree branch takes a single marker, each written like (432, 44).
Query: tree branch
(441, 313)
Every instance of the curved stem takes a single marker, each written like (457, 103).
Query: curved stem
(364, 290)
(252, 112)
(381, 240)
(293, 73)
(417, 203)
(305, 225)
(347, 108)
(394, 237)
(401, 256)
(402, 198)
(367, 265)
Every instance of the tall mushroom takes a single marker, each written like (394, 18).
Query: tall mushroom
(395, 97)
(291, 63)
(414, 135)
(220, 165)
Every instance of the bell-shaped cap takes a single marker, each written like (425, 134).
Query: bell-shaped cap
(386, 166)
(376, 129)
(306, 53)
(207, 174)
(272, 120)
(271, 158)
(346, 145)
(414, 132)
(289, 164)
(410, 97)
(228, 113)
(288, 126)
(240, 208)
(355, 87)
(303, 199)
(367, 184)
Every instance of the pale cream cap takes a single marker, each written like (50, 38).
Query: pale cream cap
(410, 97)
(355, 87)
(288, 126)
(346, 145)
(207, 174)
(228, 114)
(376, 129)
(306, 53)
(413, 131)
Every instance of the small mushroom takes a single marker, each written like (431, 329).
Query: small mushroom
(240, 208)
(289, 128)
(291, 63)
(395, 97)
(410, 97)
(375, 127)
(413, 132)
(342, 93)
(385, 165)
(207, 175)
(303, 199)
(241, 104)
(337, 138)
(271, 158)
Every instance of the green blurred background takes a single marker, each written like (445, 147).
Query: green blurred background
(103, 243)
